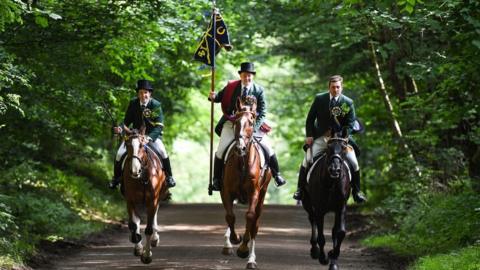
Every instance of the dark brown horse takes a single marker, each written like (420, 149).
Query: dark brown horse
(244, 180)
(328, 190)
(144, 184)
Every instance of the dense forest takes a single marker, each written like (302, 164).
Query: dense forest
(68, 70)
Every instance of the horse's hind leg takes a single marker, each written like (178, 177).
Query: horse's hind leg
(338, 234)
(134, 226)
(149, 231)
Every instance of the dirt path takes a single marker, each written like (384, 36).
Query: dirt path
(191, 237)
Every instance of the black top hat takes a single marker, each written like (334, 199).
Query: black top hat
(247, 67)
(144, 84)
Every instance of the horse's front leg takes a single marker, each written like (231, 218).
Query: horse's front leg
(251, 218)
(321, 237)
(230, 234)
(155, 236)
(134, 227)
(252, 264)
(314, 250)
(338, 234)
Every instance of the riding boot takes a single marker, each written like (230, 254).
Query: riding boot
(117, 175)
(279, 181)
(217, 174)
(357, 196)
(302, 181)
(168, 170)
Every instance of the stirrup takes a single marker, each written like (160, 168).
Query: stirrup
(170, 182)
(279, 181)
(358, 198)
(298, 195)
(216, 185)
(114, 183)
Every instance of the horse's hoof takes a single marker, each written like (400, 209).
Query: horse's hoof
(333, 267)
(323, 260)
(154, 243)
(330, 254)
(236, 242)
(242, 254)
(227, 251)
(315, 253)
(137, 252)
(146, 260)
(251, 265)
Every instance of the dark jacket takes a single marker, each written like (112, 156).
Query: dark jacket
(255, 90)
(152, 115)
(320, 120)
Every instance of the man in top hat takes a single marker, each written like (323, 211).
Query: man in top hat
(143, 109)
(228, 96)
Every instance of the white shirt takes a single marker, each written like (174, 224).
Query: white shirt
(336, 98)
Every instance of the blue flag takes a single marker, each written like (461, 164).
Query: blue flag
(204, 52)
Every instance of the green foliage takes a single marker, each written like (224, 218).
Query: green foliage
(10, 11)
(435, 224)
(48, 204)
(461, 259)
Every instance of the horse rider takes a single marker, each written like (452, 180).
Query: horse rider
(224, 128)
(318, 132)
(143, 110)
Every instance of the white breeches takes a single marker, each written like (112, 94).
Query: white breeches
(320, 145)
(158, 143)
(227, 136)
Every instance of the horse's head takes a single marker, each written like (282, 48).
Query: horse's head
(336, 150)
(135, 142)
(246, 112)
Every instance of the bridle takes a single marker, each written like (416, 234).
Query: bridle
(134, 156)
(246, 137)
(336, 155)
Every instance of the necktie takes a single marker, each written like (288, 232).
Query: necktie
(332, 103)
(244, 92)
(143, 107)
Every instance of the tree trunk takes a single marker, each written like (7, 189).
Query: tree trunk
(388, 105)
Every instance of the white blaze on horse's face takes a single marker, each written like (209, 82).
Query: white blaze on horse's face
(242, 140)
(136, 169)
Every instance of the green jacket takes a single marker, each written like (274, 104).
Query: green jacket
(320, 120)
(255, 90)
(152, 115)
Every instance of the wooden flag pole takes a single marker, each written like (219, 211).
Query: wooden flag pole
(212, 89)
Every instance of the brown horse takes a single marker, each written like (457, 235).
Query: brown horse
(144, 185)
(244, 180)
(328, 190)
